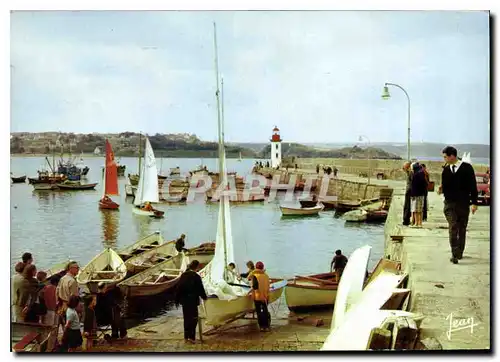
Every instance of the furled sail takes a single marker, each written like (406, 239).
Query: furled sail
(111, 173)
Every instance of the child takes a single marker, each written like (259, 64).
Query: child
(89, 320)
(72, 338)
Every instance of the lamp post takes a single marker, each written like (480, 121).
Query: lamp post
(368, 158)
(386, 95)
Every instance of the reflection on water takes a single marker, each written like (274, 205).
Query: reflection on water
(110, 227)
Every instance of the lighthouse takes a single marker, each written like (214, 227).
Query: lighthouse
(275, 148)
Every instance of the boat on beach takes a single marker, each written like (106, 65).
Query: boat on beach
(147, 243)
(301, 211)
(316, 291)
(150, 258)
(158, 279)
(106, 267)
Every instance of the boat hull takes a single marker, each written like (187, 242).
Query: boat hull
(305, 211)
(95, 271)
(18, 180)
(154, 213)
(108, 205)
(301, 297)
(45, 187)
(77, 187)
(147, 243)
(129, 190)
(312, 292)
(218, 312)
(355, 216)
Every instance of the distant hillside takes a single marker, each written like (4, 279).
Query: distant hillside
(421, 149)
(302, 151)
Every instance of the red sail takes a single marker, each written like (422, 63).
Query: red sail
(111, 172)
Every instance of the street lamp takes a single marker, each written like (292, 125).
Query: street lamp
(386, 95)
(360, 139)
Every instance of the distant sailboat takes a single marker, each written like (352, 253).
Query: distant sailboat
(110, 181)
(239, 160)
(147, 190)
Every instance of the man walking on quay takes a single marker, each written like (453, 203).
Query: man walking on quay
(458, 184)
(189, 291)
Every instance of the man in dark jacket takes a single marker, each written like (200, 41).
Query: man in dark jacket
(458, 184)
(189, 291)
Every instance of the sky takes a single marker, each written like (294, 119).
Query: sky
(317, 75)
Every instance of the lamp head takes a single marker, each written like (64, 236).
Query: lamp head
(385, 93)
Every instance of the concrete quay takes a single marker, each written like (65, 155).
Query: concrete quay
(441, 290)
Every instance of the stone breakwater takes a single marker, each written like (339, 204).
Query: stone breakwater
(454, 298)
(296, 185)
(390, 168)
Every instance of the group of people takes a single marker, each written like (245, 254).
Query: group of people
(327, 170)
(55, 301)
(190, 289)
(415, 207)
(459, 187)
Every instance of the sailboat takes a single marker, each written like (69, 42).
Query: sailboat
(147, 190)
(226, 301)
(110, 180)
(239, 159)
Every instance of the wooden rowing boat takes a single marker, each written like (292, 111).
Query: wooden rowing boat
(158, 279)
(311, 292)
(107, 267)
(301, 211)
(33, 337)
(308, 203)
(44, 187)
(376, 215)
(320, 290)
(150, 258)
(147, 243)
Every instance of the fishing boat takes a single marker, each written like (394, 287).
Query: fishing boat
(18, 180)
(110, 180)
(107, 267)
(147, 190)
(329, 205)
(150, 258)
(147, 243)
(226, 301)
(75, 186)
(158, 279)
(301, 211)
(358, 215)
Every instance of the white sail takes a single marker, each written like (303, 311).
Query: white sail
(147, 190)
(351, 283)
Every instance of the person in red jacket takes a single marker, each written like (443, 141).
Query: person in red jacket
(260, 293)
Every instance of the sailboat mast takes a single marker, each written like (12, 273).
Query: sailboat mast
(222, 174)
(140, 146)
